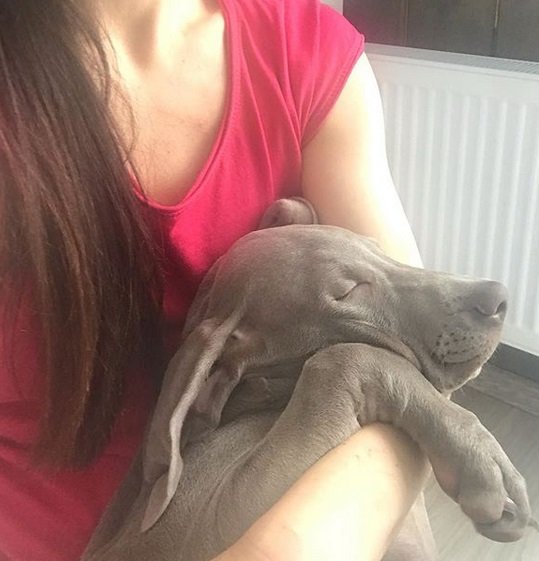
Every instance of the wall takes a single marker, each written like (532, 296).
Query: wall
(502, 28)
(337, 4)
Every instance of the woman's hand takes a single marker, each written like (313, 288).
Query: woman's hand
(348, 506)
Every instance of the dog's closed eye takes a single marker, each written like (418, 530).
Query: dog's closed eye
(354, 289)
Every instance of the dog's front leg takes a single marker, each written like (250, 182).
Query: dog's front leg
(322, 413)
(349, 385)
(468, 462)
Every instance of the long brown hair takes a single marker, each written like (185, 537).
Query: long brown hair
(70, 222)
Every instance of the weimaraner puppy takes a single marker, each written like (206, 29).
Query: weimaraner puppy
(298, 336)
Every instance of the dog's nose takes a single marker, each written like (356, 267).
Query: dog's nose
(490, 299)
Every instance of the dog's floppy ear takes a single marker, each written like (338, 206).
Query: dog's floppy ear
(284, 212)
(183, 381)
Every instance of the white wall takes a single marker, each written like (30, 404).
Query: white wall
(337, 4)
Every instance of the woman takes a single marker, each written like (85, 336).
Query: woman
(138, 140)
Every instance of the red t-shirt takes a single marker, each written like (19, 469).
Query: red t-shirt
(287, 63)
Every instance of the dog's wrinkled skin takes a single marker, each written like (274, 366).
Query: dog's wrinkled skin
(298, 336)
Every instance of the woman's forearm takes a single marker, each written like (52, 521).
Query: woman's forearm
(347, 506)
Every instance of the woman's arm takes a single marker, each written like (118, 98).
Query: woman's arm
(346, 507)
(349, 505)
(346, 173)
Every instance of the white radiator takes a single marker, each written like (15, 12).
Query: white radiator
(463, 143)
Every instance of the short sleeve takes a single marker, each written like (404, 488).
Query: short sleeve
(323, 48)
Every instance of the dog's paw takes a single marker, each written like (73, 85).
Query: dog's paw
(476, 473)
(485, 510)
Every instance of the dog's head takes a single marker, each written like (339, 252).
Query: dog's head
(282, 293)
(302, 287)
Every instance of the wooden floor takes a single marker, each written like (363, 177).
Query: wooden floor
(518, 432)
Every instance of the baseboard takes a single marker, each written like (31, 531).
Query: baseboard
(516, 361)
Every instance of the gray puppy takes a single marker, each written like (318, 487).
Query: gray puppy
(298, 336)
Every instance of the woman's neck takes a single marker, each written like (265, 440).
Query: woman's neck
(149, 30)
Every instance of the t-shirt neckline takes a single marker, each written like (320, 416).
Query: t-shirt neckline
(226, 119)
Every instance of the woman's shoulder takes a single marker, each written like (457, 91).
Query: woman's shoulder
(308, 46)
(303, 32)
